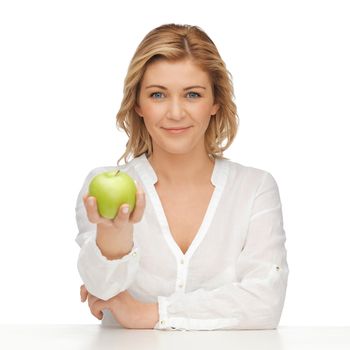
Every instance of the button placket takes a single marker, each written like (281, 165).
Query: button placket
(181, 274)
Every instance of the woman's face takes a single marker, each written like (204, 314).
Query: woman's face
(176, 95)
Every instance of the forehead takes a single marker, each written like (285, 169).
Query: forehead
(177, 73)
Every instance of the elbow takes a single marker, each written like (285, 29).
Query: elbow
(266, 313)
(267, 320)
(273, 320)
(271, 316)
(98, 284)
(103, 293)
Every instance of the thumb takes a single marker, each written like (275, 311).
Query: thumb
(97, 307)
(122, 216)
(83, 293)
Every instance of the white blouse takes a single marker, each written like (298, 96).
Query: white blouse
(234, 274)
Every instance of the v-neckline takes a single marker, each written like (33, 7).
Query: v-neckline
(218, 179)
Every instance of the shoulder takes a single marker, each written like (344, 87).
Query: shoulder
(240, 169)
(251, 175)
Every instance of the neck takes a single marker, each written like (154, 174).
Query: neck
(177, 170)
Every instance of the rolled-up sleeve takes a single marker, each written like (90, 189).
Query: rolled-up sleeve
(102, 277)
(255, 300)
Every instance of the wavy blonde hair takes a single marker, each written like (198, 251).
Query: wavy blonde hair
(176, 42)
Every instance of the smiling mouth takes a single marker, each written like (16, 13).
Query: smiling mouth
(177, 130)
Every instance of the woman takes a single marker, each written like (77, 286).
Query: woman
(204, 247)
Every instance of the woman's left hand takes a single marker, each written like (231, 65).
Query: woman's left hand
(128, 311)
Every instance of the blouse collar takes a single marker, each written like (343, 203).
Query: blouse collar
(145, 169)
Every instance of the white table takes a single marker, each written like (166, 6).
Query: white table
(91, 337)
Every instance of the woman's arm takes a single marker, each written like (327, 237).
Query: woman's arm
(128, 311)
(104, 271)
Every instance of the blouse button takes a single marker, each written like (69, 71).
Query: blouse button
(277, 268)
(180, 285)
(134, 254)
(182, 261)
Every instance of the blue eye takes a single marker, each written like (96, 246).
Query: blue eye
(191, 92)
(160, 93)
(155, 93)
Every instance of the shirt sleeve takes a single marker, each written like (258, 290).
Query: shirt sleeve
(255, 300)
(102, 277)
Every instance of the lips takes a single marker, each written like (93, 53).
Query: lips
(178, 128)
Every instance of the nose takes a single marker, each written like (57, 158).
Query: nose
(176, 110)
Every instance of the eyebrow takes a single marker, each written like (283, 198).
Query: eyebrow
(187, 88)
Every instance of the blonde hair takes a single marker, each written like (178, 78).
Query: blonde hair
(175, 42)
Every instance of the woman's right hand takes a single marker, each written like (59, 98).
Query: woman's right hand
(121, 219)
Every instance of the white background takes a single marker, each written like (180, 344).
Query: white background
(62, 70)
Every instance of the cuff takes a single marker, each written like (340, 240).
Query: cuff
(106, 278)
(171, 323)
(166, 323)
(162, 309)
(95, 251)
(91, 252)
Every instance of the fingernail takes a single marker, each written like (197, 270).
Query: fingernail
(125, 210)
(91, 201)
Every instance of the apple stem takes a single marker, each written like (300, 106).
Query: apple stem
(116, 173)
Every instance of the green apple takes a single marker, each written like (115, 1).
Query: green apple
(112, 189)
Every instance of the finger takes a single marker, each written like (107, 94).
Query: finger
(97, 307)
(91, 299)
(122, 217)
(93, 213)
(137, 214)
(85, 197)
(90, 206)
(83, 293)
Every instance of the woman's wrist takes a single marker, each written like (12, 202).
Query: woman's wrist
(113, 244)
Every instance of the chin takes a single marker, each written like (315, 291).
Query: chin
(178, 152)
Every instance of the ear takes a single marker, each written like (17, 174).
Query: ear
(215, 109)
